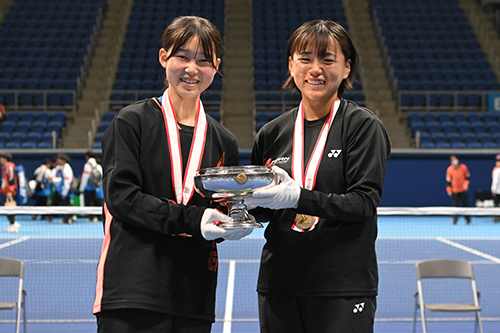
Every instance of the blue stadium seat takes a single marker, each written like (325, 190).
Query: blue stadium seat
(443, 116)
(25, 98)
(478, 126)
(463, 126)
(454, 137)
(490, 145)
(39, 126)
(484, 137)
(429, 116)
(12, 145)
(443, 145)
(469, 137)
(17, 136)
(4, 137)
(488, 117)
(493, 126)
(28, 145)
(108, 116)
(44, 145)
(33, 137)
(458, 145)
(103, 126)
(13, 115)
(473, 116)
(59, 116)
(54, 125)
(23, 126)
(438, 137)
(474, 145)
(433, 127)
(43, 116)
(458, 116)
(448, 126)
(425, 137)
(428, 145)
(8, 126)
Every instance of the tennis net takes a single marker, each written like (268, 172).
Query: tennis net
(61, 260)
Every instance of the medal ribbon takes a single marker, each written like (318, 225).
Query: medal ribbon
(308, 180)
(184, 186)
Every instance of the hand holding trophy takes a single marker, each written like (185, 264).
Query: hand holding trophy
(231, 185)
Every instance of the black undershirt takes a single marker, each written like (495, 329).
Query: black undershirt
(186, 134)
(312, 129)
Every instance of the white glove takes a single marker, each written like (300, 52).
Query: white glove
(284, 195)
(211, 231)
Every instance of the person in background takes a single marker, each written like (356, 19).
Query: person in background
(318, 270)
(42, 178)
(495, 185)
(88, 189)
(62, 179)
(9, 188)
(158, 266)
(457, 185)
(3, 114)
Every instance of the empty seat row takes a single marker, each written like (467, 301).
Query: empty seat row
(455, 116)
(43, 115)
(35, 126)
(38, 99)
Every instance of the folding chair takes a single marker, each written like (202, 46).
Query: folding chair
(15, 268)
(445, 268)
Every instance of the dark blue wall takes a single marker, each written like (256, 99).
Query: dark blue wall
(413, 178)
(418, 179)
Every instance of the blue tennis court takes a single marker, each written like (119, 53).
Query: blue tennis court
(61, 262)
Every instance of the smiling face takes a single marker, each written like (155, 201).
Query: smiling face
(188, 71)
(318, 77)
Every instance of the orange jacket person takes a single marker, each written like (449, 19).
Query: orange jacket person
(457, 179)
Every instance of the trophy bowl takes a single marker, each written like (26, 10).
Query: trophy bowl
(231, 185)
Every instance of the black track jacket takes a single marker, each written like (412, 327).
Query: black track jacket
(337, 258)
(146, 260)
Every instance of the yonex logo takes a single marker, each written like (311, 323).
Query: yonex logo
(334, 153)
(358, 307)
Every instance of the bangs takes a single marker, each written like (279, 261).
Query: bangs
(314, 40)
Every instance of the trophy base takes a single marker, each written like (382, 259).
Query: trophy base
(239, 225)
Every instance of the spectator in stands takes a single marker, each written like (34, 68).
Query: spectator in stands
(495, 185)
(457, 180)
(3, 114)
(158, 229)
(90, 182)
(62, 180)
(9, 188)
(42, 176)
(318, 271)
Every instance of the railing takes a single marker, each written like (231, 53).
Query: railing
(430, 95)
(15, 93)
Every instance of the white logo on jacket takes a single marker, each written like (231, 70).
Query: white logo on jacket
(358, 307)
(281, 160)
(334, 153)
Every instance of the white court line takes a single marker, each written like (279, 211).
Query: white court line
(12, 242)
(228, 316)
(468, 249)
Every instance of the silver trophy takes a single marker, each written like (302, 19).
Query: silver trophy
(231, 185)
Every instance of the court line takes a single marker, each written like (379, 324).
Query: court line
(228, 316)
(13, 242)
(468, 249)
